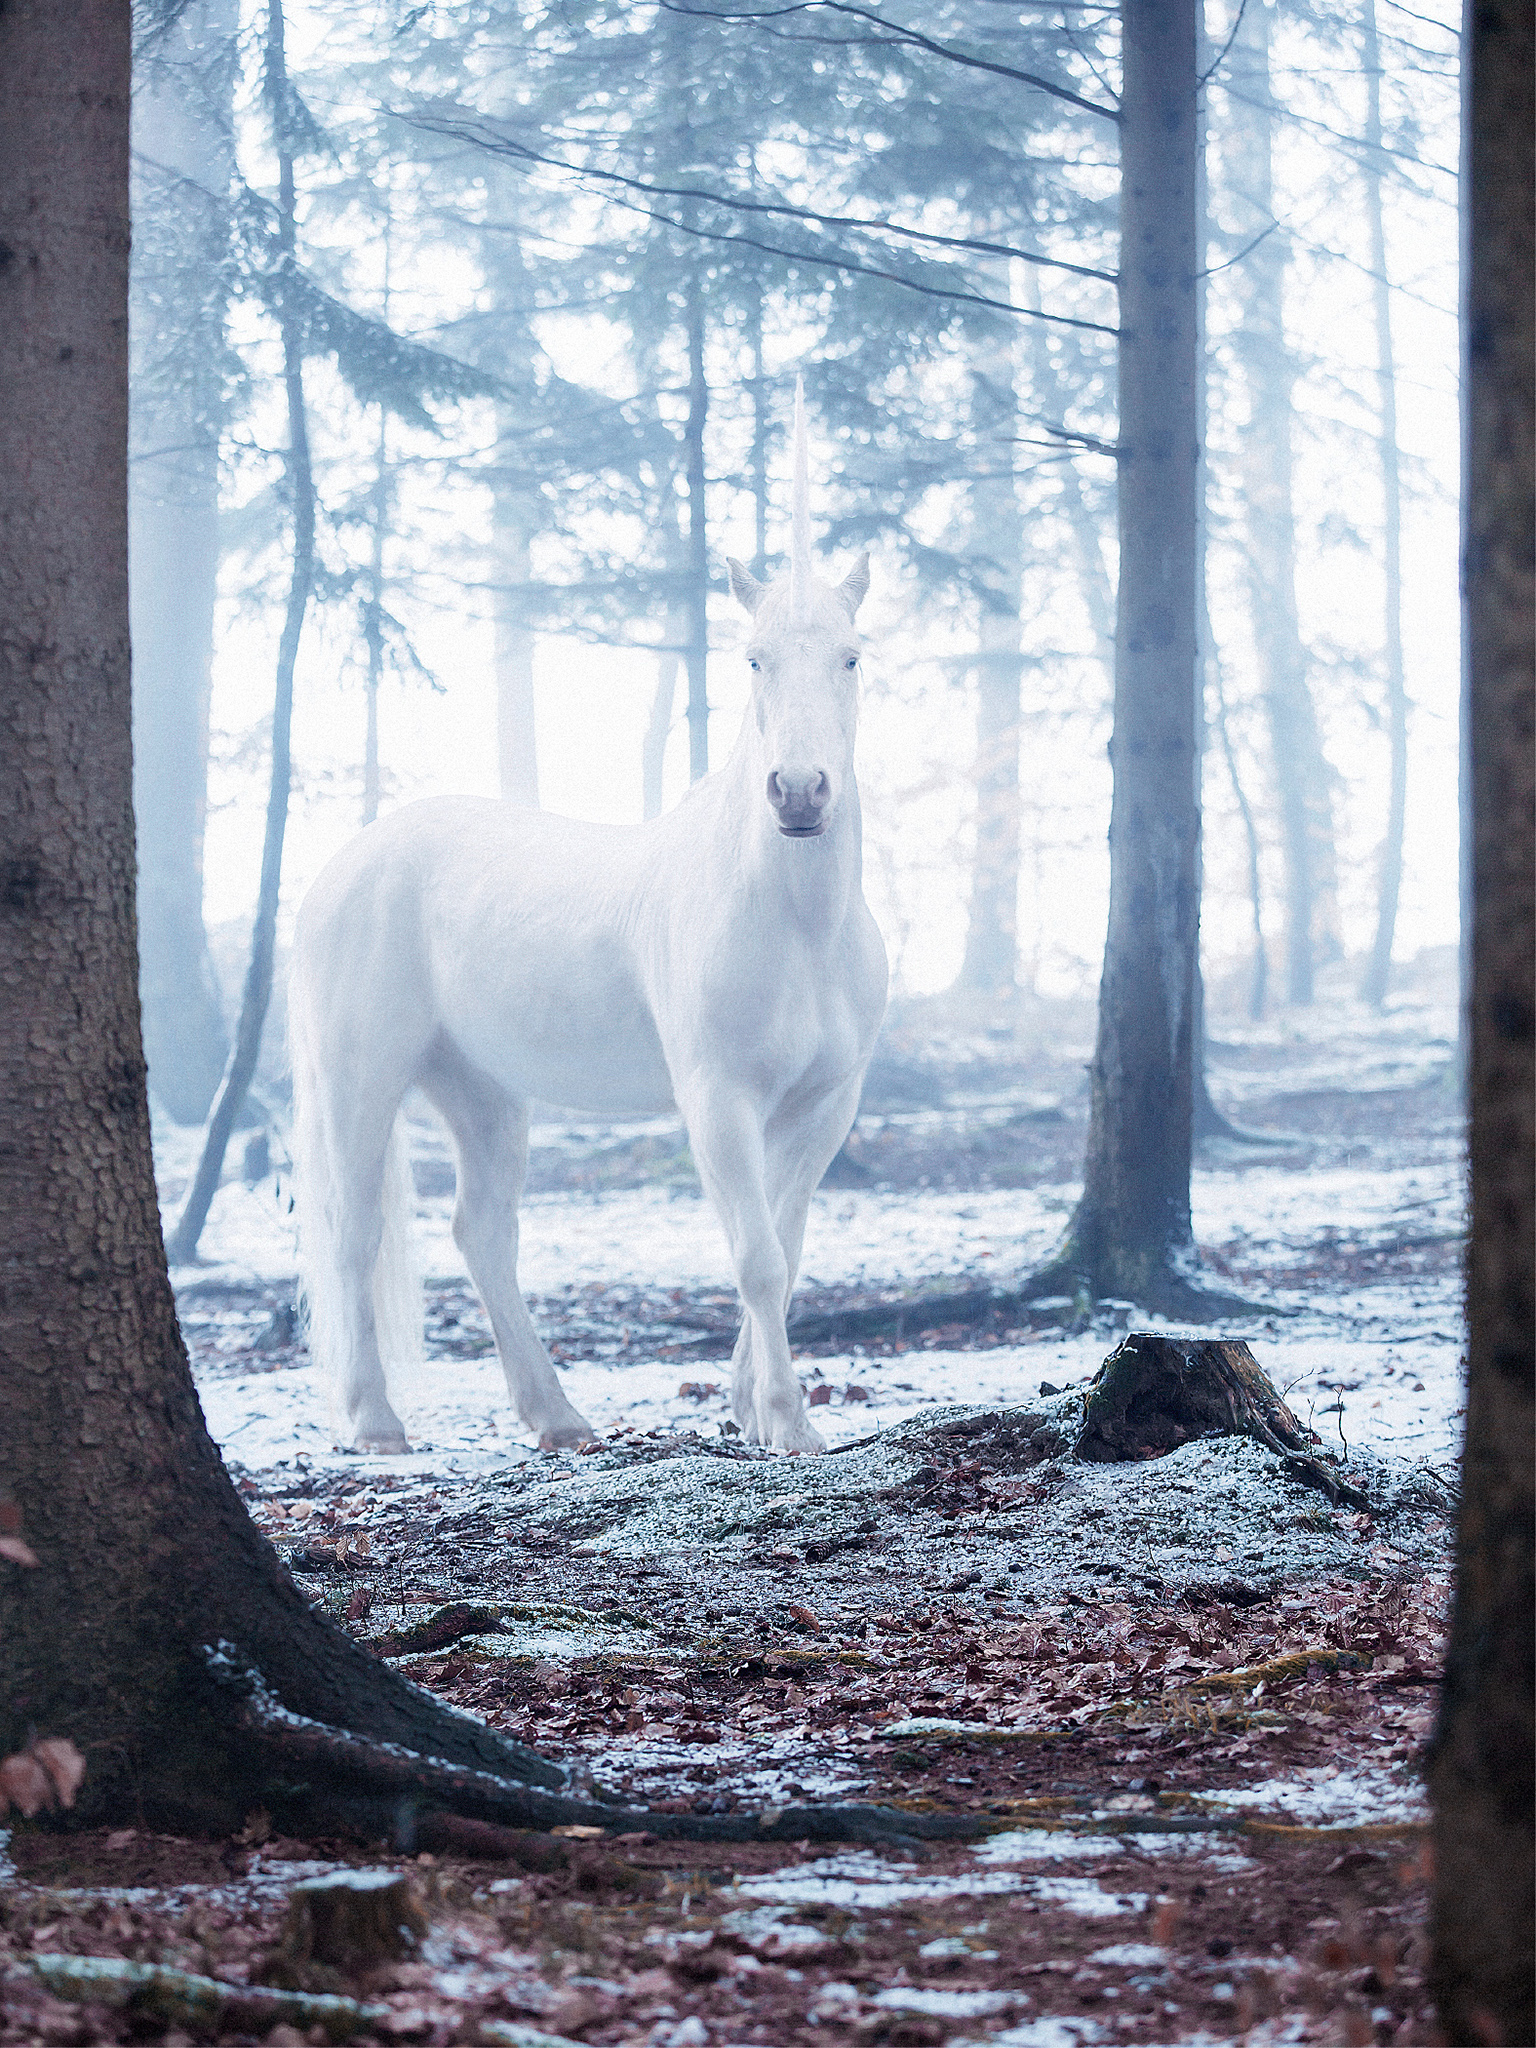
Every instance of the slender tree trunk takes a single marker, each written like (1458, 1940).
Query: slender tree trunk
(1481, 1780)
(669, 656)
(257, 993)
(698, 538)
(1302, 776)
(514, 518)
(1379, 968)
(658, 730)
(1087, 541)
(182, 126)
(990, 965)
(1131, 1235)
(760, 435)
(1258, 980)
(373, 622)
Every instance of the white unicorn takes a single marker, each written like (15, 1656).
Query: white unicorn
(720, 958)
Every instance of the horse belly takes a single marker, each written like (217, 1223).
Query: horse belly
(568, 1030)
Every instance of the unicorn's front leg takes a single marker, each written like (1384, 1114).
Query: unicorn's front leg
(766, 1396)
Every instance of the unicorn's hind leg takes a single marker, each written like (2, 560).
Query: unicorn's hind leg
(352, 1187)
(490, 1134)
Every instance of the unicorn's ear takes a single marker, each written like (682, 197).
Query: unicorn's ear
(745, 588)
(854, 587)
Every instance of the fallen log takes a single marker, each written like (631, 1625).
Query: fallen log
(1156, 1391)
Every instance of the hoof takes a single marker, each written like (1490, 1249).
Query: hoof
(795, 1438)
(567, 1436)
(382, 1446)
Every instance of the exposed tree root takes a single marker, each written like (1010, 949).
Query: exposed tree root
(374, 1788)
(153, 1992)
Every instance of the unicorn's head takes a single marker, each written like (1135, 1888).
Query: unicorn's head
(803, 653)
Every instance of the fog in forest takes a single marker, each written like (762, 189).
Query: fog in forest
(557, 262)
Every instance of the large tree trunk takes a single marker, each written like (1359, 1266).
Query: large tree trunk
(1302, 776)
(1481, 1777)
(1131, 1235)
(183, 136)
(1390, 878)
(990, 964)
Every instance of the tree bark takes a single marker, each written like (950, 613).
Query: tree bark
(697, 656)
(990, 963)
(1481, 1780)
(1302, 776)
(1390, 880)
(257, 993)
(182, 118)
(1131, 1235)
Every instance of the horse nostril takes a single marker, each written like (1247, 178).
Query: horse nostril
(820, 789)
(775, 790)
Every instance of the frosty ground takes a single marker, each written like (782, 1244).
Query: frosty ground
(1189, 1695)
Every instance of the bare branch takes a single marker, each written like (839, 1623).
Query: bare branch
(899, 34)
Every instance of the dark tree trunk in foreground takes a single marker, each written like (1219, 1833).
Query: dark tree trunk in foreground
(1481, 1777)
(1131, 1236)
(182, 127)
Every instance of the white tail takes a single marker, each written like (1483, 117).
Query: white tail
(322, 1289)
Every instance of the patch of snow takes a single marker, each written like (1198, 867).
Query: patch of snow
(954, 2005)
(1086, 1896)
(1331, 1798)
(866, 1880)
(1051, 2030)
(1131, 1955)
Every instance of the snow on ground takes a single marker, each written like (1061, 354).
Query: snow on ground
(1378, 1367)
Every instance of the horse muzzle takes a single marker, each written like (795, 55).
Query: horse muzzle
(800, 803)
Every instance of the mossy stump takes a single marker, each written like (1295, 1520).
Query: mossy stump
(351, 1921)
(1155, 1392)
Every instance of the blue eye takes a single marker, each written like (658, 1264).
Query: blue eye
(755, 666)
(852, 661)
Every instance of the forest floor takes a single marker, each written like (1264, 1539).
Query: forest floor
(1188, 1697)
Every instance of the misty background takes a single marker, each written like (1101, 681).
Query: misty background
(561, 266)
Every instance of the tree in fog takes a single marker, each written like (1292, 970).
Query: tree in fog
(380, 368)
(1301, 773)
(1482, 1941)
(183, 114)
(1131, 1234)
(1390, 873)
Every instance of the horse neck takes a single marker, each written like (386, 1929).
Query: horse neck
(815, 881)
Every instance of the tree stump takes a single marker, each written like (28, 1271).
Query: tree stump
(1155, 1392)
(351, 1921)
